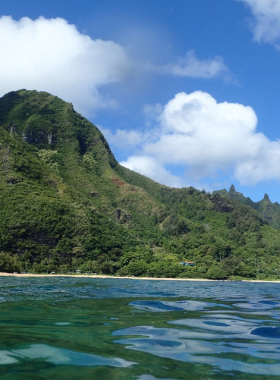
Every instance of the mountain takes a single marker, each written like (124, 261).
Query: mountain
(66, 205)
(269, 211)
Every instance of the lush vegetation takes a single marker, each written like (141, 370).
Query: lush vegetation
(67, 205)
(269, 211)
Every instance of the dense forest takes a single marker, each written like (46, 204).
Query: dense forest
(67, 205)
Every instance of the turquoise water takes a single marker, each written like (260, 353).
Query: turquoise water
(86, 328)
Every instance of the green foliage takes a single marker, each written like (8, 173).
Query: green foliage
(50, 158)
(216, 272)
(175, 226)
(67, 205)
(8, 263)
(270, 212)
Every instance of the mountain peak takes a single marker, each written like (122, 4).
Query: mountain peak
(67, 204)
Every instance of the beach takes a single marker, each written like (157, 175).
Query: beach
(123, 277)
(100, 276)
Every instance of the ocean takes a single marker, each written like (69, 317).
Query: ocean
(120, 329)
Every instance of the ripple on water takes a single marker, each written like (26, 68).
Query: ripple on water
(258, 304)
(227, 325)
(162, 306)
(150, 377)
(218, 329)
(267, 332)
(214, 338)
(62, 323)
(182, 346)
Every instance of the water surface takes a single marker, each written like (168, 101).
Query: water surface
(86, 328)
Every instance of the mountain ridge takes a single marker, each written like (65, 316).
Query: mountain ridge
(269, 211)
(68, 205)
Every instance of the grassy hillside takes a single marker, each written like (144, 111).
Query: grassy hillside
(67, 204)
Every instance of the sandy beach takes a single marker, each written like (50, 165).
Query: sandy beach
(123, 277)
(100, 276)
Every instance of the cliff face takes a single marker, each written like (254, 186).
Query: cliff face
(221, 204)
(66, 203)
(59, 190)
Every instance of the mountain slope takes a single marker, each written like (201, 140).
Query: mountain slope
(67, 204)
(269, 211)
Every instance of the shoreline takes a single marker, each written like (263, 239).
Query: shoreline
(3, 274)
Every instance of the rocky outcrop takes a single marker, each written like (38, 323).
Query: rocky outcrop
(123, 217)
(221, 204)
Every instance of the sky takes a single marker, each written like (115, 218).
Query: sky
(186, 92)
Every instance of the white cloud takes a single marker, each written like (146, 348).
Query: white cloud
(151, 167)
(190, 66)
(52, 55)
(266, 24)
(264, 167)
(207, 137)
(196, 129)
(122, 138)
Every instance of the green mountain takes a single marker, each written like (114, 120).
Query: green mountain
(66, 204)
(269, 211)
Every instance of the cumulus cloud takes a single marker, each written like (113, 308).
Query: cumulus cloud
(264, 167)
(52, 55)
(152, 168)
(192, 67)
(205, 137)
(196, 129)
(266, 23)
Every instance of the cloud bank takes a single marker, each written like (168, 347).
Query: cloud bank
(52, 55)
(266, 23)
(206, 138)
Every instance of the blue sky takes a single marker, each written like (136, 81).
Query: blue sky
(185, 91)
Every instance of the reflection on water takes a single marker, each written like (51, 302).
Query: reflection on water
(59, 356)
(198, 345)
(63, 328)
